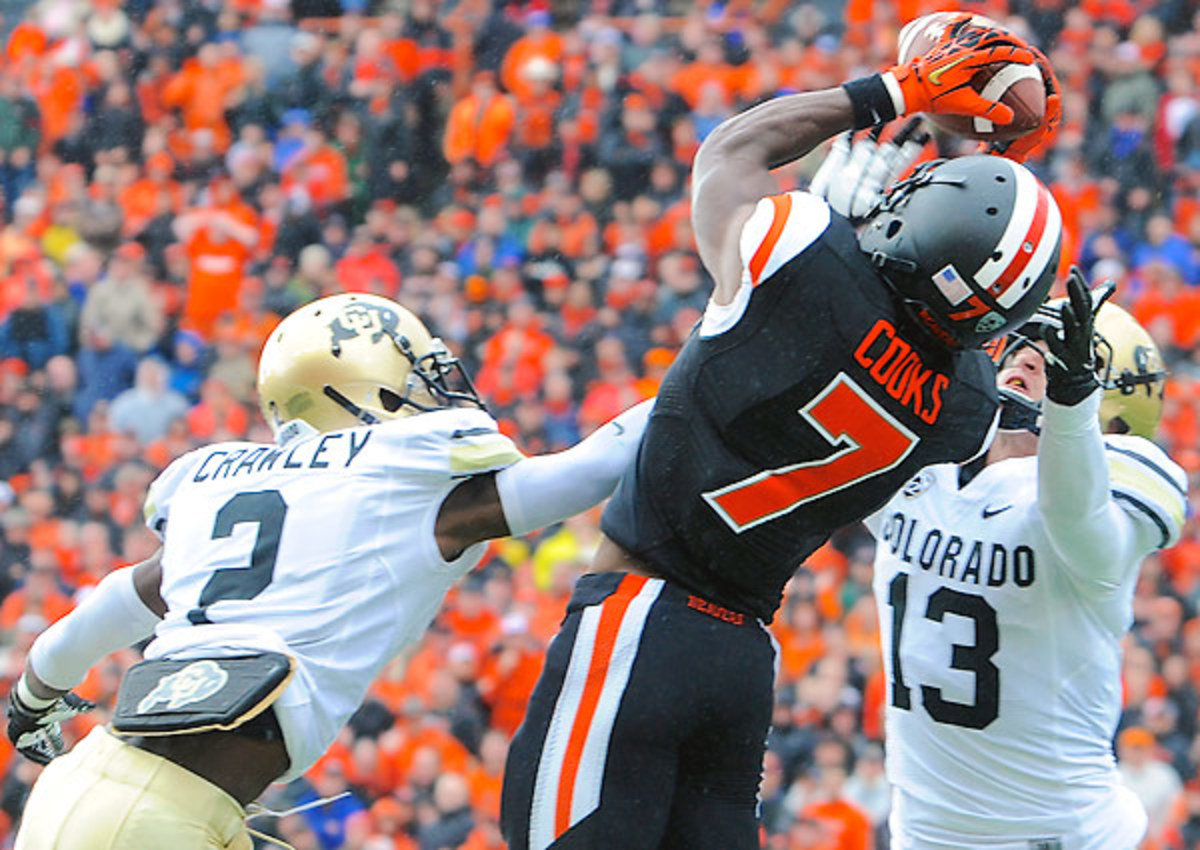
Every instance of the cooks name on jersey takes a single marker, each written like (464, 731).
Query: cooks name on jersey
(978, 562)
(336, 450)
(896, 366)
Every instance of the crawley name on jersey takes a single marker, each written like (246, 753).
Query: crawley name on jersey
(322, 548)
(1003, 657)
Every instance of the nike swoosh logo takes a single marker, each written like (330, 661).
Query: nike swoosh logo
(988, 513)
(935, 76)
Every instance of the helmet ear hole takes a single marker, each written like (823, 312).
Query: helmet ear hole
(391, 401)
(1117, 425)
(894, 227)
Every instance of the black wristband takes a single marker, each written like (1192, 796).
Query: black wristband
(1069, 388)
(871, 100)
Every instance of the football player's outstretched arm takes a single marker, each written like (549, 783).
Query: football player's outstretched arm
(1097, 540)
(542, 490)
(732, 168)
(121, 610)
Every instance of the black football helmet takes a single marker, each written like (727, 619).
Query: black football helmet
(970, 245)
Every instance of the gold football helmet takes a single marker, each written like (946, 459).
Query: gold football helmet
(355, 359)
(1128, 366)
(1130, 369)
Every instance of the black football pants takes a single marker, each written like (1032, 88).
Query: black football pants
(647, 727)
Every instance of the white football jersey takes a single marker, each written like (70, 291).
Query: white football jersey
(1003, 666)
(322, 548)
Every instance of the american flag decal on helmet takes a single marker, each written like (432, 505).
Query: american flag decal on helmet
(950, 283)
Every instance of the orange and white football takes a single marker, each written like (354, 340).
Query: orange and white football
(1018, 87)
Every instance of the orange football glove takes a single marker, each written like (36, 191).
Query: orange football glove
(940, 80)
(1036, 141)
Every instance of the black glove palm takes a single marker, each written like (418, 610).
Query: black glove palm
(37, 733)
(1071, 363)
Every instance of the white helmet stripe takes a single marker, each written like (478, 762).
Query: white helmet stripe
(1043, 254)
(1024, 207)
(1001, 81)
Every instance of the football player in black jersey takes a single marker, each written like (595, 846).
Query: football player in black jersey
(830, 365)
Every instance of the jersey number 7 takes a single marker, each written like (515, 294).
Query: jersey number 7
(867, 440)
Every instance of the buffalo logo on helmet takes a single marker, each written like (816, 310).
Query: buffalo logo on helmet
(360, 318)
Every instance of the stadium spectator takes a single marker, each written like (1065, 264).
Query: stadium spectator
(34, 331)
(1155, 782)
(480, 125)
(148, 408)
(121, 306)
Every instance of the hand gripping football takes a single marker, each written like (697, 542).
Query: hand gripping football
(1019, 87)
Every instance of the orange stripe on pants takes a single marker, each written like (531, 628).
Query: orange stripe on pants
(614, 608)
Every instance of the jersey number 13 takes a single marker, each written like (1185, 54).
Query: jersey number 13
(975, 658)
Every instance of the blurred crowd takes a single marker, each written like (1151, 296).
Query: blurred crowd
(176, 175)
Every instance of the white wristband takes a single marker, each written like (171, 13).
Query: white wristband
(27, 698)
(893, 86)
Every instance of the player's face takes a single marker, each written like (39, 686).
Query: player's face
(1025, 371)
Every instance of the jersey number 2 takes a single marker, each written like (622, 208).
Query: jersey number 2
(866, 439)
(975, 658)
(265, 508)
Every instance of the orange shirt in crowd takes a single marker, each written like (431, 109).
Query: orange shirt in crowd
(454, 756)
(535, 128)
(507, 682)
(797, 651)
(51, 607)
(26, 39)
(322, 173)
(479, 129)
(848, 825)
(480, 630)
(539, 44)
(485, 790)
(200, 93)
(216, 274)
(139, 202)
(59, 95)
(689, 82)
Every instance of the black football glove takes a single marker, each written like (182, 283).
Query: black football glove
(1071, 362)
(37, 733)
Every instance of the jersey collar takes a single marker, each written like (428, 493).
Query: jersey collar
(293, 431)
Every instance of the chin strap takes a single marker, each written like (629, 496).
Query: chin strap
(1018, 413)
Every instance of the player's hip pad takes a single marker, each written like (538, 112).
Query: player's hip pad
(165, 697)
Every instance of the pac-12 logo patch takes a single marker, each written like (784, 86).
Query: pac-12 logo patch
(193, 683)
(377, 320)
(991, 321)
(918, 485)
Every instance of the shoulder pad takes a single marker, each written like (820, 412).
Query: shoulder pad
(1147, 484)
(780, 228)
(162, 489)
(454, 443)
